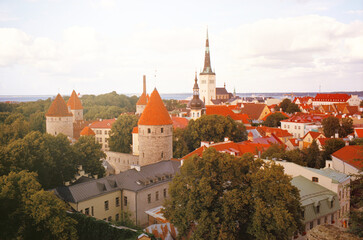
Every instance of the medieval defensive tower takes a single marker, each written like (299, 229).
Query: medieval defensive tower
(155, 129)
(75, 107)
(58, 118)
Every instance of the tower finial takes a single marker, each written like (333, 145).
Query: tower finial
(207, 31)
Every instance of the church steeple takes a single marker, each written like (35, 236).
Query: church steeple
(196, 87)
(207, 66)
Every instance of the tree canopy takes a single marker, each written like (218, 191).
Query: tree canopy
(28, 212)
(332, 145)
(121, 133)
(274, 120)
(330, 126)
(287, 106)
(220, 196)
(213, 128)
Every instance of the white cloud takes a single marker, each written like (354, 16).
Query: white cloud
(286, 54)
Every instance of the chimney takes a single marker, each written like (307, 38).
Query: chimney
(226, 139)
(136, 167)
(336, 135)
(204, 143)
(144, 84)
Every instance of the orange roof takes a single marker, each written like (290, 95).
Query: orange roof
(106, 123)
(302, 100)
(238, 149)
(73, 102)
(224, 110)
(331, 97)
(155, 113)
(353, 155)
(179, 122)
(142, 100)
(135, 130)
(58, 108)
(87, 131)
(277, 131)
(253, 110)
(305, 118)
(294, 142)
(359, 132)
(314, 135)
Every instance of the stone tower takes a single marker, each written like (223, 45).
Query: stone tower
(75, 107)
(207, 78)
(59, 119)
(196, 106)
(155, 129)
(141, 103)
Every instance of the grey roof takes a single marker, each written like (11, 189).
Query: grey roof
(221, 91)
(337, 177)
(131, 179)
(255, 133)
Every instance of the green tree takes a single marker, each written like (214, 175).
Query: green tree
(295, 156)
(285, 104)
(313, 156)
(292, 108)
(121, 133)
(346, 127)
(356, 202)
(51, 157)
(220, 196)
(27, 212)
(14, 127)
(37, 122)
(274, 120)
(213, 128)
(356, 141)
(180, 146)
(274, 151)
(330, 126)
(332, 145)
(89, 155)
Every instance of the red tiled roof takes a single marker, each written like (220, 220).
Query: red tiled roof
(331, 97)
(277, 131)
(155, 113)
(87, 131)
(74, 102)
(264, 119)
(353, 155)
(273, 139)
(352, 109)
(359, 132)
(223, 110)
(322, 141)
(179, 122)
(302, 100)
(294, 142)
(314, 135)
(142, 100)
(58, 108)
(106, 123)
(135, 130)
(306, 118)
(253, 110)
(231, 147)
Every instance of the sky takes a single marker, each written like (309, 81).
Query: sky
(98, 46)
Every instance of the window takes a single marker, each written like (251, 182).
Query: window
(105, 132)
(148, 130)
(92, 211)
(104, 219)
(303, 213)
(157, 195)
(162, 130)
(149, 198)
(125, 201)
(117, 201)
(164, 192)
(318, 209)
(298, 127)
(332, 219)
(311, 225)
(315, 179)
(331, 203)
(162, 155)
(86, 211)
(106, 205)
(117, 217)
(109, 219)
(295, 127)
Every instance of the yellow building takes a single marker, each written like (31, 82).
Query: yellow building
(132, 192)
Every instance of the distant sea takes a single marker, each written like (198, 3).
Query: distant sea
(177, 96)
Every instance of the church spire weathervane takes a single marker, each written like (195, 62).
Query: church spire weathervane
(207, 66)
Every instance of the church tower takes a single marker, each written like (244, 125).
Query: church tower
(207, 78)
(75, 107)
(141, 103)
(155, 129)
(59, 119)
(196, 106)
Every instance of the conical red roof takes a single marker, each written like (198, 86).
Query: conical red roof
(74, 102)
(58, 108)
(155, 113)
(142, 100)
(87, 131)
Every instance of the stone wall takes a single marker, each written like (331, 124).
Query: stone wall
(77, 115)
(155, 143)
(56, 125)
(121, 161)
